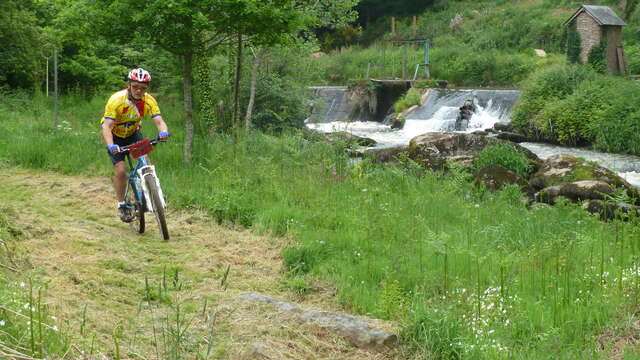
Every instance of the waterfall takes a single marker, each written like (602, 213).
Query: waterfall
(442, 107)
(438, 113)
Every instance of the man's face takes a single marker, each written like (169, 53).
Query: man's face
(137, 89)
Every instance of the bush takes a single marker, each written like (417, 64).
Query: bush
(632, 53)
(504, 155)
(574, 105)
(618, 129)
(543, 88)
(571, 120)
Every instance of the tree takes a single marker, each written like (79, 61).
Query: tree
(185, 27)
(319, 13)
(21, 62)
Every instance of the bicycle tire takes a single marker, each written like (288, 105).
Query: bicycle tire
(158, 209)
(138, 224)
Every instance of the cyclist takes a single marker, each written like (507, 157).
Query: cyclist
(121, 125)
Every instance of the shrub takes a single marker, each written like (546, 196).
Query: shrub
(632, 53)
(504, 155)
(543, 88)
(618, 129)
(571, 120)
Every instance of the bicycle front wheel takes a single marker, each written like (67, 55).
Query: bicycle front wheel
(158, 209)
(137, 224)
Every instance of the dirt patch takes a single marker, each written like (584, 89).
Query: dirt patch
(139, 291)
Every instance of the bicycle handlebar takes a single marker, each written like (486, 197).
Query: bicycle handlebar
(154, 142)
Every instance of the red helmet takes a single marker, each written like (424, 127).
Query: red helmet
(139, 75)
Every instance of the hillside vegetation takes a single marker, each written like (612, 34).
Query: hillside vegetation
(488, 43)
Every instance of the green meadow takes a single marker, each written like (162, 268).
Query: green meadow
(465, 273)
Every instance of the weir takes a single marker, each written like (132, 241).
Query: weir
(330, 104)
(442, 107)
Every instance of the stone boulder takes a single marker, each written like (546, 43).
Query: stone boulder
(495, 177)
(350, 139)
(464, 115)
(503, 126)
(385, 155)
(435, 149)
(562, 169)
(609, 210)
(513, 137)
(576, 191)
(357, 331)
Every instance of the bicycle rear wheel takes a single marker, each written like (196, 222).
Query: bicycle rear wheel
(158, 209)
(137, 224)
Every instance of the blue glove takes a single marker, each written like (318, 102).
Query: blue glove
(113, 149)
(163, 135)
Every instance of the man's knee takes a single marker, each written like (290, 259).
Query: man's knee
(120, 171)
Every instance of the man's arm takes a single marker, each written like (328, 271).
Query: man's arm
(107, 127)
(160, 124)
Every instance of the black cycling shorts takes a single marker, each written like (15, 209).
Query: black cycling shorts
(137, 136)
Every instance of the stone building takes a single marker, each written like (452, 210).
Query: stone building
(600, 25)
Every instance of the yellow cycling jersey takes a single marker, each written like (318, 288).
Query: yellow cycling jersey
(127, 114)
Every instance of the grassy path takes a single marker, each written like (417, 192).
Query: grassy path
(102, 279)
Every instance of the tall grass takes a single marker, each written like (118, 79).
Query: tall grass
(467, 274)
(27, 328)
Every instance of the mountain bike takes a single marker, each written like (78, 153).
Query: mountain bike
(143, 193)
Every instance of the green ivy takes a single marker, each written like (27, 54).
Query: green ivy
(202, 75)
(573, 44)
(597, 57)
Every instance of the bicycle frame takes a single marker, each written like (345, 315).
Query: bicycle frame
(134, 179)
(137, 174)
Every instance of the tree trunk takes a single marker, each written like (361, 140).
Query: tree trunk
(252, 89)
(188, 107)
(236, 93)
(202, 91)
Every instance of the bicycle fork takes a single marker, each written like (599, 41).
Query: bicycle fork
(143, 173)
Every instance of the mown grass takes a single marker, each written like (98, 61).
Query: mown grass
(468, 274)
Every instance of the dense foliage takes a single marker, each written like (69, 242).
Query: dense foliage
(573, 105)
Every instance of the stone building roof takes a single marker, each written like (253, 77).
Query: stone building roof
(602, 14)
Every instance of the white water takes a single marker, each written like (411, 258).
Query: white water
(443, 120)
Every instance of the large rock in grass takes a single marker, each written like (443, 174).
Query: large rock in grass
(563, 169)
(357, 331)
(495, 177)
(609, 209)
(435, 149)
(576, 191)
